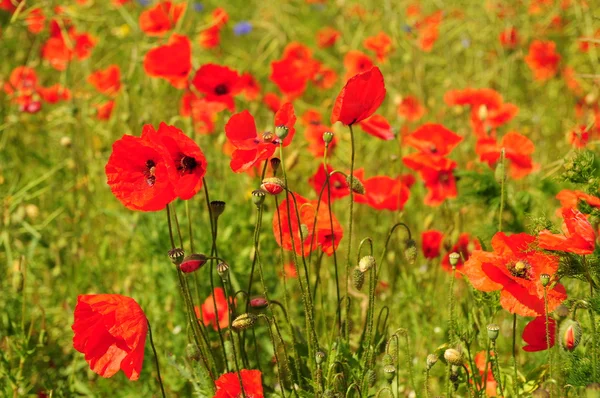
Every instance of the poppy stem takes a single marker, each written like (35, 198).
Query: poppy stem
(496, 368)
(170, 226)
(451, 306)
(348, 260)
(502, 182)
(547, 333)
(514, 355)
(162, 388)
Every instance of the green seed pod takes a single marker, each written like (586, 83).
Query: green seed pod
(453, 258)
(327, 137)
(358, 279)
(545, 279)
(223, 270)
(411, 251)
(389, 371)
(281, 131)
(356, 185)
(176, 255)
(258, 197)
(493, 331)
(320, 357)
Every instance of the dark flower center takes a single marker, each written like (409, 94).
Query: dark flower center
(221, 89)
(444, 177)
(433, 149)
(520, 269)
(149, 172)
(187, 164)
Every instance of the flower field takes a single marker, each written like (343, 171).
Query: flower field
(300, 198)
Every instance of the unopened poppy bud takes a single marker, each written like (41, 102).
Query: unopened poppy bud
(192, 262)
(281, 131)
(540, 393)
(304, 230)
(176, 255)
(562, 311)
(493, 331)
(18, 281)
(389, 371)
(275, 162)
(453, 258)
(258, 197)
(327, 137)
(320, 357)
(259, 302)
(217, 208)
(273, 185)
(192, 352)
(366, 263)
(411, 251)
(482, 112)
(358, 278)
(243, 321)
(356, 185)
(371, 377)
(500, 173)
(431, 360)
(223, 270)
(570, 334)
(454, 357)
(545, 279)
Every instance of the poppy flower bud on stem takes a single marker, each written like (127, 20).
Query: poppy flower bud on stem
(275, 162)
(176, 255)
(366, 263)
(500, 172)
(217, 207)
(356, 185)
(493, 331)
(454, 357)
(411, 251)
(273, 185)
(192, 262)
(258, 197)
(431, 360)
(358, 278)
(259, 302)
(570, 334)
(244, 321)
(281, 131)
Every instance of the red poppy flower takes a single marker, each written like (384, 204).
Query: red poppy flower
(360, 97)
(252, 148)
(463, 246)
(54, 93)
(138, 173)
(514, 267)
(110, 330)
(210, 37)
(428, 30)
(356, 62)
(534, 334)
(171, 61)
(337, 183)
(104, 110)
(437, 173)
(218, 83)
(480, 362)
(381, 44)
(579, 136)
(22, 81)
(208, 317)
(325, 77)
(294, 70)
(433, 139)
(517, 149)
(571, 199)
(322, 237)
(107, 81)
(272, 101)
(189, 163)
(579, 236)
(378, 126)
(411, 109)
(509, 38)
(249, 87)
(228, 385)
(431, 242)
(64, 46)
(569, 74)
(314, 135)
(161, 18)
(383, 192)
(543, 59)
(9, 5)
(35, 20)
(203, 113)
(327, 37)
(219, 17)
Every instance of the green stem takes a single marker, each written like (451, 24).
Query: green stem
(451, 306)
(235, 358)
(496, 368)
(160, 382)
(348, 259)
(514, 355)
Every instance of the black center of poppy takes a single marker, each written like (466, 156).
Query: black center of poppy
(149, 172)
(433, 149)
(221, 89)
(444, 177)
(187, 164)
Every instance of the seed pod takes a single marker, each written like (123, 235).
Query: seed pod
(192, 262)
(281, 131)
(545, 279)
(453, 258)
(327, 137)
(258, 197)
(273, 185)
(389, 371)
(176, 255)
(493, 331)
(356, 185)
(320, 357)
(217, 208)
(570, 334)
(275, 162)
(358, 279)
(366, 263)
(223, 270)
(244, 321)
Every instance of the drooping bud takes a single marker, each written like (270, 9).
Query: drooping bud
(387, 360)
(366, 263)
(192, 262)
(570, 334)
(453, 258)
(411, 251)
(493, 331)
(281, 131)
(339, 382)
(176, 255)
(358, 278)
(545, 279)
(259, 302)
(356, 185)
(562, 311)
(258, 197)
(371, 377)
(431, 360)
(389, 371)
(273, 185)
(244, 321)
(217, 208)
(275, 162)
(320, 357)
(304, 231)
(223, 270)
(327, 137)
(454, 357)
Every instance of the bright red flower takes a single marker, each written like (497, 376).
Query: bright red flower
(322, 237)
(210, 37)
(171, 61)
(428, 30)
(104, 110)
(294, 70)
(161, 18)
(514, 267)
(377, 126)
(208, 316)
(138, 173)
(228, 385)
(272, 101)
(433, 139)
(383, 192)
(218, 83)
(437, 173)
(325, 77)
(543, 59)
(337, 183)
(65, 45)
(356, 62)
(381, 44)
(534, 334)
(480, 363)
(249, 87)
(107, 81)
(571, 199)
(579, 236)
(35, 20)
(463, 246)
(203, 113)
(219, 17)
(188, 161)
(411, 109)
(252, 148)
(327, 36)
(579, 136)
(22, 81)
(517, 149)
(54, 93)
(110, 330)
(431, 242)
(360, 97)
(509, 38)
(9, 5)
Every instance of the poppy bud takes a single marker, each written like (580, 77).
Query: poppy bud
(192, 352)
(562, 311)
(18, 281)
(327, 137)
(493, 331)
(545, 279)
(176, 255)
(411, 251)
(366, 263)
(389, 371)
(217, 208)
(223, 270)
(320, 357)
(431, 360)
(371, 377)
(275, 162)
(453, 258)
(281, 131)
(570, 334)
(243, 321)
(356, 185)
(192, 262)
(259, 302)
(500, 173)
(387, 360)
(258, 197)
(454, 357)
(358, 278)
(273, 185)
(303, 231)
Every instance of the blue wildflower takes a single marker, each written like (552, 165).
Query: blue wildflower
(198, 7)
(242, 28)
